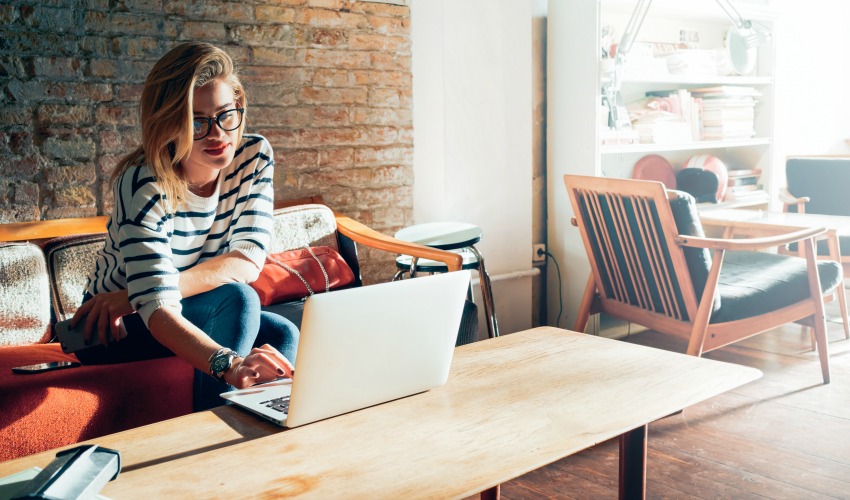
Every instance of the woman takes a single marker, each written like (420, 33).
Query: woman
(190, 227)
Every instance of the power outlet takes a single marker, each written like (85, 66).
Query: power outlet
(538, 252)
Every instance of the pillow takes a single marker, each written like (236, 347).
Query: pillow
(303, 225)
(70, 259)
(24, 295)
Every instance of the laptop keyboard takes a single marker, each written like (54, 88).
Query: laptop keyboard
(279, 404)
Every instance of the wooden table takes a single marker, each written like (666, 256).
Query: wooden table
(512, 404)
(836, 225)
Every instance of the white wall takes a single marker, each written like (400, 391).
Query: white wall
(812, 79)
(472, 133)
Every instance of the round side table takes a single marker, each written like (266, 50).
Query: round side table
(459, 237)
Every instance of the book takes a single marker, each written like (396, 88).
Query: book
(742, 181)
(744, 172)
(727, 91)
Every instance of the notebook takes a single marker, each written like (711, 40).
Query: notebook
(365, 346)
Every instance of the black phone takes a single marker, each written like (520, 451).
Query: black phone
(45, 367)
(73, 339)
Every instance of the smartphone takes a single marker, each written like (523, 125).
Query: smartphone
(73, 339)
(45, 367)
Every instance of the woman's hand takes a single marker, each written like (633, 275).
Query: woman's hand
(102, 314)
(263, 364)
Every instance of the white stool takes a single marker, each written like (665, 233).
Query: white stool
(460, 237)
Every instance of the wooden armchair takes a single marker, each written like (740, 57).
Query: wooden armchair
(817, 185)
(651, 264)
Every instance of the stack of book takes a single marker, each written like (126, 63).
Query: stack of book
(744, 186)
(663, 131)
(684, 105)
(728, 112)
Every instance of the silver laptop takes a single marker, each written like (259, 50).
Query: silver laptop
(365, 346)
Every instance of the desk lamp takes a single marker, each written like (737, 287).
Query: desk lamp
(742, 42)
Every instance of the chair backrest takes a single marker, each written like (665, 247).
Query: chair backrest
(629, 231)
(824, 180)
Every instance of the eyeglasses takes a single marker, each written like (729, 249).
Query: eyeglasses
(226, 120)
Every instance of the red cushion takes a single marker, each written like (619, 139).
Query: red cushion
(45, 410)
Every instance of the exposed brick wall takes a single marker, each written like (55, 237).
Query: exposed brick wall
(328, 84)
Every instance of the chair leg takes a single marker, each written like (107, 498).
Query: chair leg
(812, 340)
(819, 318)
(822, 344)
(486, 295)
(583, 314)
(699, 327)
(842, 303)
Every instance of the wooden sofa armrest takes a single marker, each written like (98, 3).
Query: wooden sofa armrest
(25, 231)
(789, 199)
(749, 243)
(365, 235)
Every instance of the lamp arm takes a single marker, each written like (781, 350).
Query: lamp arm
(733, 14)
(632, 28)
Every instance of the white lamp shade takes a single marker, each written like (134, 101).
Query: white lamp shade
(741, 53)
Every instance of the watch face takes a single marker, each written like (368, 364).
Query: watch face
(221, 363)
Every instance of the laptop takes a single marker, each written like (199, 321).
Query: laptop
(365, 346)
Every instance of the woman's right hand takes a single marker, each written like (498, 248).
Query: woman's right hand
(102, 314)
(262, 364)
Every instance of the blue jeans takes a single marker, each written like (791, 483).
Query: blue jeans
(229, 314)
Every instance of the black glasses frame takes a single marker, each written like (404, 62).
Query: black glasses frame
(217, 120)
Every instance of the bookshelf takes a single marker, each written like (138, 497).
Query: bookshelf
(576, 75)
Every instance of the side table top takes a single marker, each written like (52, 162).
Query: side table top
(442, 235)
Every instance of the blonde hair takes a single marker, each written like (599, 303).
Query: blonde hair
(166, 112)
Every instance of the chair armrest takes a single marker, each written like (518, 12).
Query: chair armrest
(789, 199)
(365, 235)
(749, 243)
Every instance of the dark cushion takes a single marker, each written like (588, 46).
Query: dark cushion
(292, 310)
(753, 283)
(823, 180)
(684, 209)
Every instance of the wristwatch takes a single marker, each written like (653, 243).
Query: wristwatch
(220, 362)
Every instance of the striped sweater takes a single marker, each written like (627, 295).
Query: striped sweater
(147, 247)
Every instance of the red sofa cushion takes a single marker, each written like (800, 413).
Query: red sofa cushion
(46, 410)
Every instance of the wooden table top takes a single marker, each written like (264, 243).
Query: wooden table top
(512, 404)
(839, 223)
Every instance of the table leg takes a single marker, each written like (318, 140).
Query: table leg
(494, 493)
(633, 463)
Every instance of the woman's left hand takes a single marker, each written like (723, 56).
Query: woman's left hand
(101, 314)
(262, 364)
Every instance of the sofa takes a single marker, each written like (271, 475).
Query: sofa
(43, 270)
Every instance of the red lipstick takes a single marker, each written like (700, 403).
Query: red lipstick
(217, 150)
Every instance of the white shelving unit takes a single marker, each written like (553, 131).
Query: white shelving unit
(575, 78)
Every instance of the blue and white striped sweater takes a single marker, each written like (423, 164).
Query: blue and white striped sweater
(147, 247)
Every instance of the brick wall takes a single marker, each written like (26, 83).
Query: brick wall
(328, 84)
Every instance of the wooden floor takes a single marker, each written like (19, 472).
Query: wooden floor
(783, 436)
